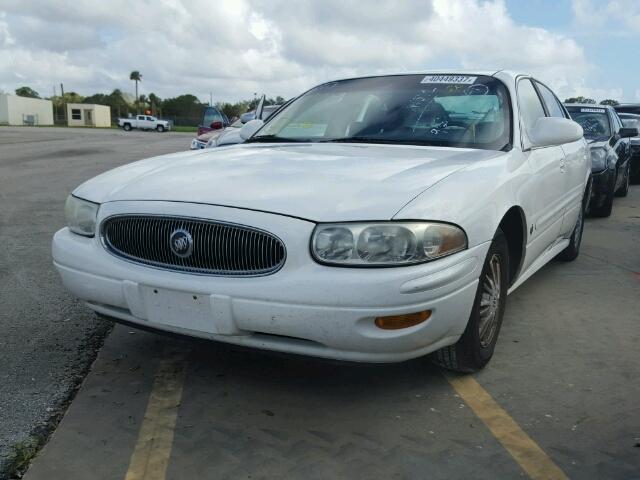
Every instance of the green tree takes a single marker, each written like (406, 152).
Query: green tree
(118, 104)
(27, 92)
(187, 108)
(142, 100)
(72, 97)
(580, 100)
(610, 101)
(136, 77)
(155, 103)
(97, 98)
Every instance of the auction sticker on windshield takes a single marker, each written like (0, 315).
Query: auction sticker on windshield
(304, 129)
(449, 79)
(592, 110)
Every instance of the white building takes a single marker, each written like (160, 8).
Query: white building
(15, 110)
(88, 115)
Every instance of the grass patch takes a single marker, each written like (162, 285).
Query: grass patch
(179, 128)
(21, 456)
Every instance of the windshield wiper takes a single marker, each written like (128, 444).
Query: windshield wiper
(274, 139)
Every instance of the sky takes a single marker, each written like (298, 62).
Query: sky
(231, 49)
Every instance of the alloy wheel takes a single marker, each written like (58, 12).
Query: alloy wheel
(490, 301)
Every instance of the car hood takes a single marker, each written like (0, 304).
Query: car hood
(320, 182)
(231, 136)
(205, 137)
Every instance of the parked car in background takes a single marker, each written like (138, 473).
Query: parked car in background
(202, 140)
(628, 108)
(144, 122)
(212, 119)
(609, 142)
(372, 219)
(631, 120)
(231, 136)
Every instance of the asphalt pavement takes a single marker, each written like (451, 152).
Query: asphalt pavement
(47, 339)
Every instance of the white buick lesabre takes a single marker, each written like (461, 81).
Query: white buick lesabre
(373, 219)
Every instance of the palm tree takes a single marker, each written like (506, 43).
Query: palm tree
(136, 77)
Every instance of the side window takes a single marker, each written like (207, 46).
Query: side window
(141, 117)
(76, 114)
(530, 107)
(553, 106)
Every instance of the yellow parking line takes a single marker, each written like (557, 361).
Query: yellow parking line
(521, 446)
(150, 457)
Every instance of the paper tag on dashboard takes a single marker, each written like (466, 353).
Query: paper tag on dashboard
(450, 79)
(592, 110)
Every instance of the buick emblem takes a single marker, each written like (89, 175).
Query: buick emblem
(181, 243)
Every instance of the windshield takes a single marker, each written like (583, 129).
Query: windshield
(442, 110)
(594, 121)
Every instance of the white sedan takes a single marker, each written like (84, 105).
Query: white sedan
(372, 219)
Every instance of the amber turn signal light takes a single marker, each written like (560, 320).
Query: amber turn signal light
(396, 322)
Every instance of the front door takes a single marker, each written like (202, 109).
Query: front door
(88, 118)
(545, 188)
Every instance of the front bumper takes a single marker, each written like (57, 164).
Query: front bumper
(602, 184)
(304, 308)
(197, 144)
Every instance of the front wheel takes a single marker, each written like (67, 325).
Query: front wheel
(624, 188)
(126, 127)
(573, 249)
(605, 209)
(160, 128)
(475, 347)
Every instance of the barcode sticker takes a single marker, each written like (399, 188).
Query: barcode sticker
(450, 79)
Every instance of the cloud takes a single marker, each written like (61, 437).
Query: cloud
(234, 48)
(622, 15)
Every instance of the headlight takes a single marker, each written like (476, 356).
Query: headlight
(211, 142)
(385, 243)
(598, 159)
(194, 144)
(81, 216)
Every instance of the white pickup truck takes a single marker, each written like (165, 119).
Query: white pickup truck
(144, 122)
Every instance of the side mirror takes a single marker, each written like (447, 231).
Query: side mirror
(549, 131)
(627, 132)
(247, 117)
(249, 128)
(217, 125)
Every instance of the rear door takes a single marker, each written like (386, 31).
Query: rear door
(574, 168)
(546, 188)
(141, 121)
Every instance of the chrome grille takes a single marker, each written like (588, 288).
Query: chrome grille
(217, 248)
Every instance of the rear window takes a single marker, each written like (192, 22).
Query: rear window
(593, 120)
(211, 115)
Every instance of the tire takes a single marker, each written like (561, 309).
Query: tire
(624, 188)
(160, 128)
(604, 210)
(572, 251)
(126, 127)
(475, 347)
